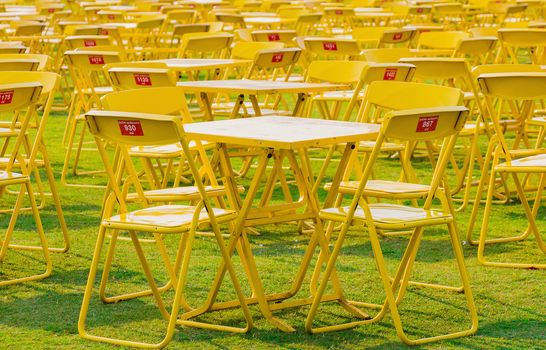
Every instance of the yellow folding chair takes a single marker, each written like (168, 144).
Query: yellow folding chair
(514, 42)
(16, 98)
(386, 55)
(332, 48)
(90, 83)
(141, 75)
(180, 30)
(124, 129)
(477, 51)
(156, 190)
(11, 48)
(455, 72)
(32, 62)
(35, 155)
(439, 43)
(205, 45)
(523, 89)
(285, 36)
(442, 123)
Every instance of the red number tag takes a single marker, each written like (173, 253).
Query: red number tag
(143, 79)
(130, 127)
(50, 10)
(339, 12)
(329, 46)
(111, 17)
(277, 58)
(89, 42)
(397, 36)
(104, 32)
(390, 74)
(427, 124)
(273, 37)
(96, 59)
(419, 10)
(6, 97)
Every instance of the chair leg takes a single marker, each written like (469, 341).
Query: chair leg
(26, 188)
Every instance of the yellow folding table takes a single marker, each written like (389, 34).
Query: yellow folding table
(278, 138)
(253, 88)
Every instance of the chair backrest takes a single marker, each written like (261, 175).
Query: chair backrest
(381, 96)
(523, 89)
(522, 37)
(441, 40)
(78, 41)
(386, 55)
(477, 50)
(201, 44)
(440, 124)
(91, 60)
(82, 29)
(267, 63)
(234, 20)
(331, 47)
(248, 50)
(12, 48)
(306, 22)
(138, 77)
(397, 37)
(181, 29)
(378, 72)
(283, 35)
(20, 91)
(439, 68)
(29, 28)
(126, 129)
(19, 64)
(335, 71)
(424, 124)
(182, 16)
(533, 40)
(507, 68)
(155, 100)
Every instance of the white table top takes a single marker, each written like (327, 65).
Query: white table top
(202, 63)
(281, 132)
(255, 87)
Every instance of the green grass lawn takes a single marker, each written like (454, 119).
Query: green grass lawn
(44, 314)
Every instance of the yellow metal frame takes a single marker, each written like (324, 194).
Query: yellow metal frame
(32, 162)
(525, 89)
(399, 125)
(22, 96)
(155, 129)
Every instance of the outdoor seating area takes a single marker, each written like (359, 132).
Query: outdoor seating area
(272, 174)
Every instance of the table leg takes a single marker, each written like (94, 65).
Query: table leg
(255, 105)
(207, 107)
(237, 106)
(300, 103)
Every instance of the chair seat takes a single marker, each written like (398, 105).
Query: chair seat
(344, 95)
(164, 151)
(391, 216)
(384, 187)
(539, 120)
(8, 176)
(367, 146)
(164, 218)
(99, 90)
(8, 132)
(182, 193)
(536, 163)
